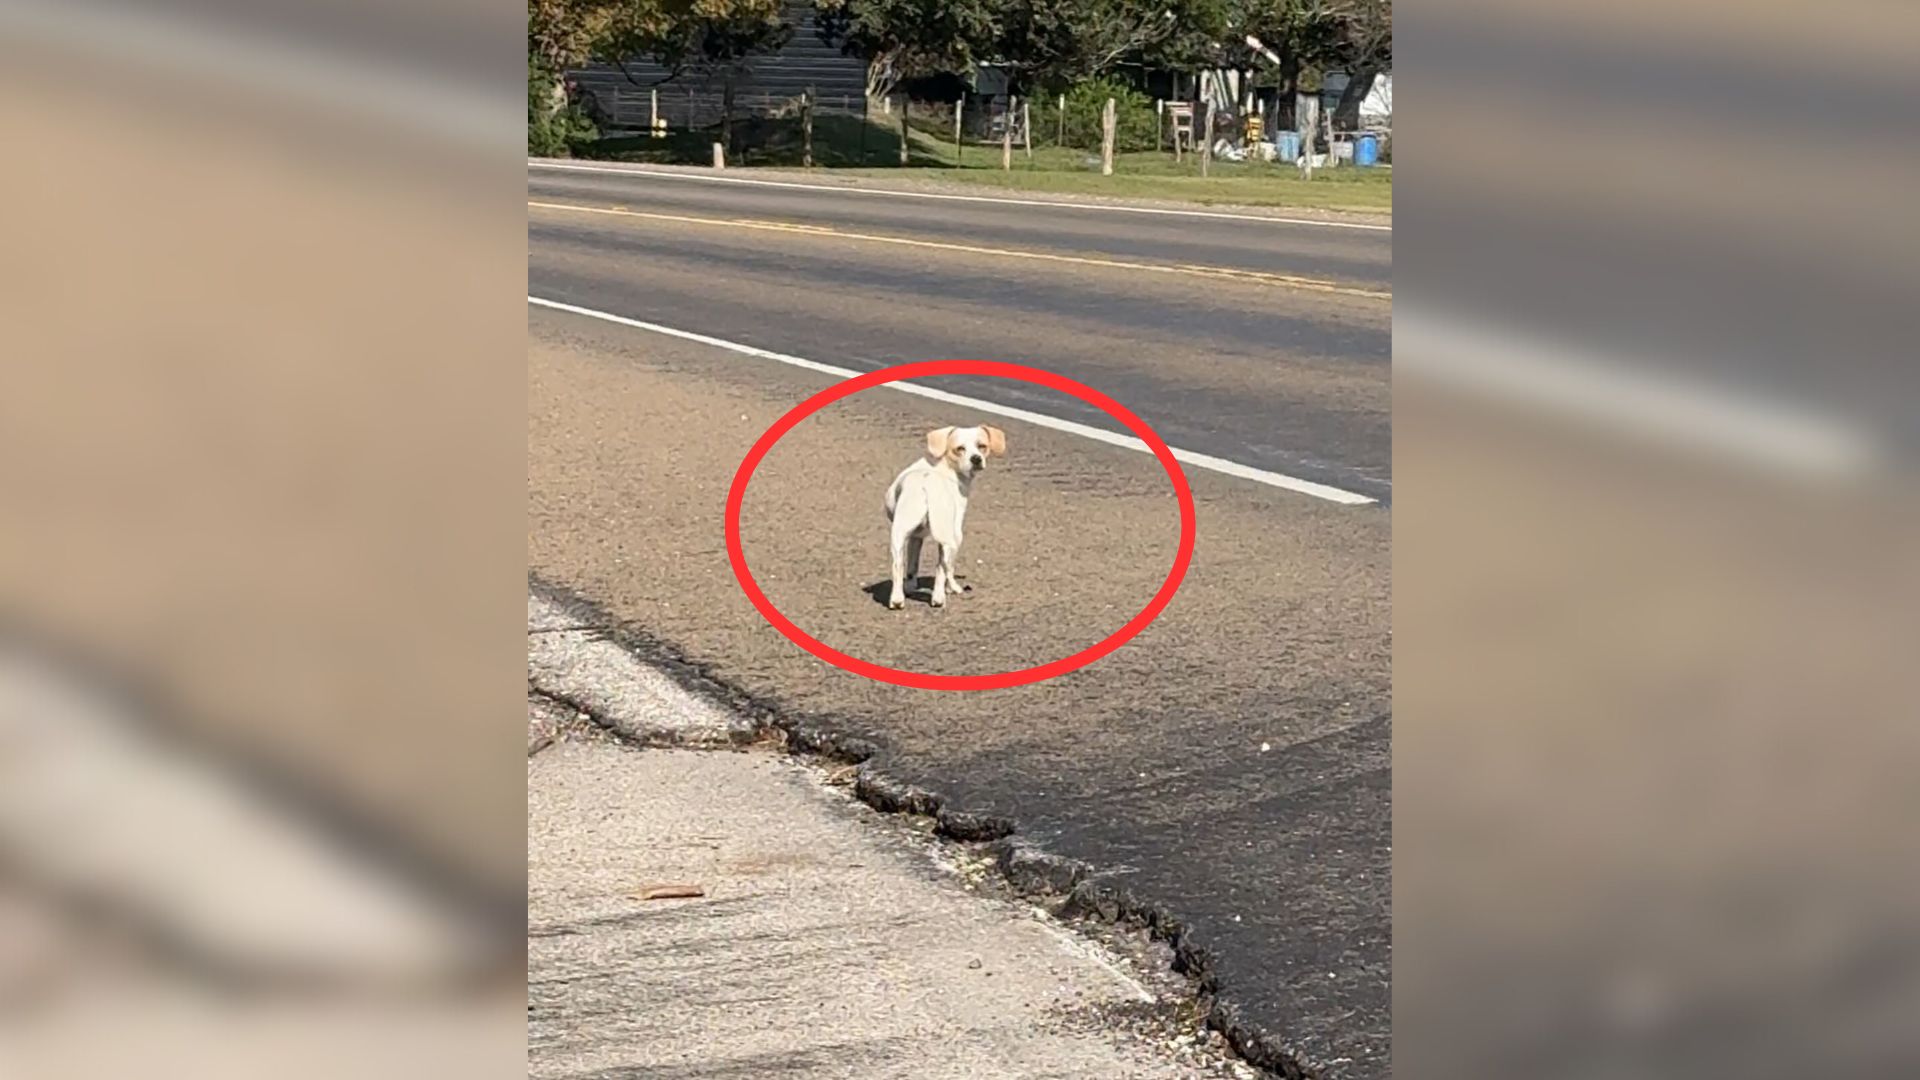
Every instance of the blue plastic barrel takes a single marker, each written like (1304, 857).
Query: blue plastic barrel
(1288, 144)
(1366, 151)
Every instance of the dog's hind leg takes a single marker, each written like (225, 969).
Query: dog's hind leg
(949, 555)
(914, 542)
(945, 532)
(897, 599)
(939, 598)
(907, 523)
(943, 574)
(910, 527)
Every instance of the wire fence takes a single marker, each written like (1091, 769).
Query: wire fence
(690, 107)
(1067, 122)
(851, 129)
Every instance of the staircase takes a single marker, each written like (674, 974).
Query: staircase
(693, 99)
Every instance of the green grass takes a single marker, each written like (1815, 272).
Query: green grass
(852, 147)
(1155, 176)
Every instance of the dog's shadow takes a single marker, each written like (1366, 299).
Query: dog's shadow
(917, 588)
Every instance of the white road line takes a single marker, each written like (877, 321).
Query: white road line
(1054, 204)
(1186, 457)
(1641, 396)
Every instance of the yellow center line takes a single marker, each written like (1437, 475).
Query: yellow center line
(1259, 277)
(783, 226)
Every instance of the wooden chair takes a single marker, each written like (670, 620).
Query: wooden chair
(1180, 116)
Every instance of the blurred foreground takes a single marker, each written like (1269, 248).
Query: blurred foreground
(1655, 542)
(260, 802)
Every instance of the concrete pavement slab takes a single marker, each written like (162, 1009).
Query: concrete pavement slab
(820, 944)
(585, 669)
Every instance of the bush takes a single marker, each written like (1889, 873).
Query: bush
(553, 133)
(1134, 123)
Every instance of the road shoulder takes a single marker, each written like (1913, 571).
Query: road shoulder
(829, 180)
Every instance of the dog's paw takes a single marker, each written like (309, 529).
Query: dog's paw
(896, 603)
(937, 601)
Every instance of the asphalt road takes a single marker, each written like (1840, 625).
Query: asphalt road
(1199, 357)
(1231, 764)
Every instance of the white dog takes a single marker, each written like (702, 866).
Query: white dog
(929, 498)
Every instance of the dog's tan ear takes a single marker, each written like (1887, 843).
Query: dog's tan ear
(938, 440)
(996, 441)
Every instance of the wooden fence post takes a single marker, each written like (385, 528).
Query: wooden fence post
(653, 113)
(1061, 139)
(1006, 137)
(1026, 126)
(1106, 139)
(956, 129)
(806, 128)
(903, 129)
(1206, 143)
(719, 156)
(1159, 123)
(1306, 112)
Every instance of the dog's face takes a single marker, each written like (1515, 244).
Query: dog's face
(966, 449)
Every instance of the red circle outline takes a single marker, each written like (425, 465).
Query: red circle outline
(736, 497)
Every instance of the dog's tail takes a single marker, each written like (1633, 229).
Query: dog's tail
(893, 495)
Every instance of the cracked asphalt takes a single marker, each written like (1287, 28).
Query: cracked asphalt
(1231, 764)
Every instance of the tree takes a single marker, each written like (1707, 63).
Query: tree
(712, 38)
(1294, 30)
(701, 35)
(561, 34)
(1361, 41)
(1050, 44)
(551, 131)
(904, 39)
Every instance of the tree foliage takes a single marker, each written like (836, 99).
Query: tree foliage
(563, 33)
(713, 38)
(1320, 35)
(677, 33)
(1361, 42)
(1296, 30)
(1135, 125)
(1361, 33)
(905, 39)
(553, 130)
(1044, 45)
(708, 36)
(1051, 44)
